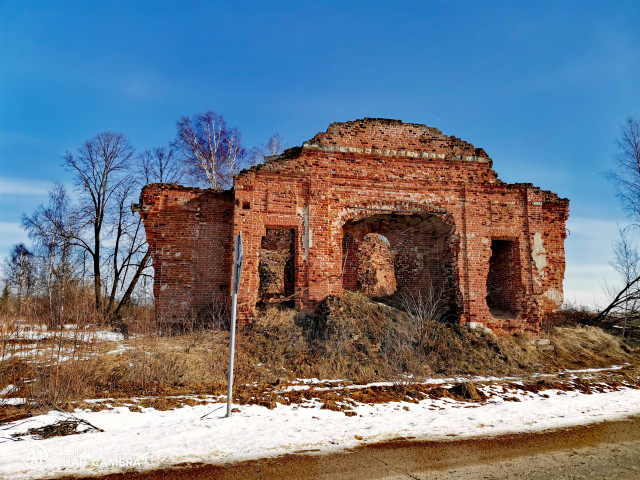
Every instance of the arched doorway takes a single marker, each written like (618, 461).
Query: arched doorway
(420, 255)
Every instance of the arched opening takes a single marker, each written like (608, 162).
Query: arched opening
(503, 279)
(416, 252)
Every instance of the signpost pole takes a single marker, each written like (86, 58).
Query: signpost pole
(237, 270)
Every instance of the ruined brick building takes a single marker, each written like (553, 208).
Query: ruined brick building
(374, 204)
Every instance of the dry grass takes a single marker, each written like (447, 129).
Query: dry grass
(568, 316)
(349, 338)
(586, 346)
(373, 341)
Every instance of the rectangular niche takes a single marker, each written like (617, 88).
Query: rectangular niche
(504, 284)
(276, 267)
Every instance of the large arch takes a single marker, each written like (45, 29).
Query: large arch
(423, 249)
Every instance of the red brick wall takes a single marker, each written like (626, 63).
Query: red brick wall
(385, 134)
(436, 198)
(189, 232)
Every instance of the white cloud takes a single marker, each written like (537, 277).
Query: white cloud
(10, 235)
(593, 227)
(589, 249)
(584, 298)
(23, 186)
(582, 270)
(140, 85)
(584, 284)
(9, 227)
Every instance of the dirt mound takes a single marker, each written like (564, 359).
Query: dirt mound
(362, 338)
(366, 340)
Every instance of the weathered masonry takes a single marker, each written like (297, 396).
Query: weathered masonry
(375, 205)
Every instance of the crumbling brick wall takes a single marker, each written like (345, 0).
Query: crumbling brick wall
(435, 198)
(189, 232)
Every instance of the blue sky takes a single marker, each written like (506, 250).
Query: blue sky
(542, 86)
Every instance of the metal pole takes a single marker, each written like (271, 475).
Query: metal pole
(232, 344)
(237, 271)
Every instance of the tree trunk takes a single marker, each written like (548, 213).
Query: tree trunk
(97, 279)
(126, 298)
(616, 301)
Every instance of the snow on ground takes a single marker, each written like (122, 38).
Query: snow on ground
(307, 383)
(158, 439)
(70, 331)
(59, 344)
(89, 333)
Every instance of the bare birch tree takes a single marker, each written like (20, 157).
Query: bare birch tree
(626, 176)
(51, 231)
(212, 150)
(275, 146)
(627, 264)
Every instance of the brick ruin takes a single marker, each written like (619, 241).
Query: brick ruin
(375, 205)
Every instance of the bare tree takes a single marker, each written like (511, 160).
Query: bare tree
(626, 178)
(51, 231)
(212, 150)
(626, 258)
(627, 264)
(20, 273)
(107, 231)
(99, 168)
(275, 146)
(160, 165)
(4, 299)
(130, 254)
(234, 152)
